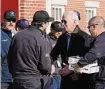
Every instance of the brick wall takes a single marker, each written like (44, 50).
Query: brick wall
(27, 8)
(79, 6)
(101, 9)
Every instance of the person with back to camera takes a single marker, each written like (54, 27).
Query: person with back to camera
(28, 58)
(22, 24)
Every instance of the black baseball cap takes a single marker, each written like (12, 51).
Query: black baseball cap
(57, 26)
(10, 14)
(42, 16)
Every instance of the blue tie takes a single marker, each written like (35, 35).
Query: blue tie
(68, 40)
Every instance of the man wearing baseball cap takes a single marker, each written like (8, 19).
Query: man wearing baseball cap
(6, 37)
(42, 16)
(56, 30)
(28, 58)
(22, 24)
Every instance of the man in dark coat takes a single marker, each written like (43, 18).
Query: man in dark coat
(96, 27)
(71, 43)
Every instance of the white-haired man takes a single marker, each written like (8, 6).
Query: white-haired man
(70, 21)
(71, 43)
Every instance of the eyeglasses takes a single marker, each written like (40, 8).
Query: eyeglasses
(65, 22)
(91, 25)
(10, 19)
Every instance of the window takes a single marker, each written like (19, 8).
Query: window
(91, 9)
(90, 12)
(57, 12)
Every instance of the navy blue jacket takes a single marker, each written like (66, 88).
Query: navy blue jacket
(97, 52)
(6, 37)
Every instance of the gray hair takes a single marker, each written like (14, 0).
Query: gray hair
(97, 20)
(72, 14)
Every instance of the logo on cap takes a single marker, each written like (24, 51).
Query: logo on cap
(12, 13)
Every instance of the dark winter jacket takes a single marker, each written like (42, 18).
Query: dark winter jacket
(97, 52)
(79, 44)
(6, 37)
(29, 53)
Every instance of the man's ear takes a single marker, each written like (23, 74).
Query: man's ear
(43, 23)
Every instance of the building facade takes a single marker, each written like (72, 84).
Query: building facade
(26, 8)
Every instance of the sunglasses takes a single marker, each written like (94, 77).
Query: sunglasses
(65, 22)
(91, 26)
(10, 19)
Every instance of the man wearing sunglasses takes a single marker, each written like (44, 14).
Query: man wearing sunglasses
(6, 36)
(73, 42)
(69, 20)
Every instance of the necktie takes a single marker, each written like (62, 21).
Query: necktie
(68, 40)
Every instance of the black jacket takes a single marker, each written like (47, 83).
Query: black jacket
(79, 45)
(97, 52)
(29, 53)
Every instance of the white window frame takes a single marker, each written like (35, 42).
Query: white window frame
(59, 2)
(48, 6)
(92, 7)
(56, 16)
(90, 12)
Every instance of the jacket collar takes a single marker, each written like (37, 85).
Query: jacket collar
(52, 36)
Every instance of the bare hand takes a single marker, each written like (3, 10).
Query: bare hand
(65, 71)
(77, 68)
